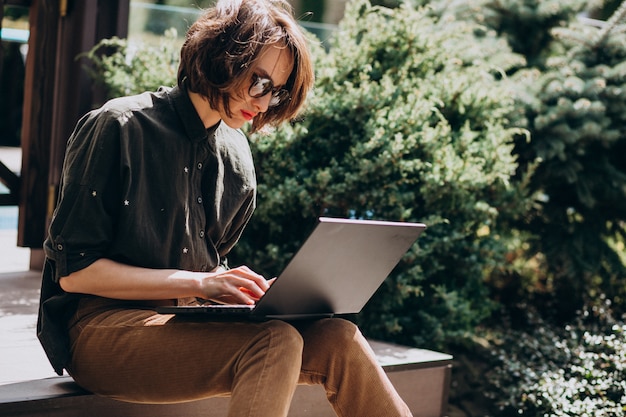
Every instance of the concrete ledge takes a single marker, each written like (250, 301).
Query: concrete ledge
(422, 378)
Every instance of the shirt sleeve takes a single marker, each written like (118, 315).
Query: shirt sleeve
(237, 226)
(83, 222)
(239, 180)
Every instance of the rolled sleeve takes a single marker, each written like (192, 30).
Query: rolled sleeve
(82, 226)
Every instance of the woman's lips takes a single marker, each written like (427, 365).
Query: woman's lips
(248, 115)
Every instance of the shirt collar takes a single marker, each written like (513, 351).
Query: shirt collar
(188, 115)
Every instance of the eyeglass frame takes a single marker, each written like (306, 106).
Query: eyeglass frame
(266, 86)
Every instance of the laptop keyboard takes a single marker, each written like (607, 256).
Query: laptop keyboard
(229, 308)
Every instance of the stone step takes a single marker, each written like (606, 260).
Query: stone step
(422, 378)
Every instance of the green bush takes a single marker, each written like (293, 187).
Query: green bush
(124, 68)
(570, 96)
(409, 127)
(576, 112)
(575, 370)
(526, 24)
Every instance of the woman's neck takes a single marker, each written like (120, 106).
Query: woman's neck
(209, 116)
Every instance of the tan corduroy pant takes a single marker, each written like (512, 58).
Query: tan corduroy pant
(136, 355)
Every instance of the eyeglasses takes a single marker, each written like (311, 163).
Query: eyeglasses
(262, 86)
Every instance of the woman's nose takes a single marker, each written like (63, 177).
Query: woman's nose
(262, 103)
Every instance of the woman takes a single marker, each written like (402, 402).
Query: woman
(156, 190)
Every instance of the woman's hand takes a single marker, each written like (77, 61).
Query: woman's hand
(239, 285)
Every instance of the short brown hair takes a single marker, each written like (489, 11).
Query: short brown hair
(222, 46)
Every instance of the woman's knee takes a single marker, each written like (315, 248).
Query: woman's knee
(340, 330)
(331, 348)
(339, 333)
(276, 347)
(285, 337)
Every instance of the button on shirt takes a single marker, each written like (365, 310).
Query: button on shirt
(144, 183)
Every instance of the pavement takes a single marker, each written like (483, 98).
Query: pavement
(21, 355)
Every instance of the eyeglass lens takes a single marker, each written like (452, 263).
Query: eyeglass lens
(263, 86)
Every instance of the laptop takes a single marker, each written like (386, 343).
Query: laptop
(335, 272)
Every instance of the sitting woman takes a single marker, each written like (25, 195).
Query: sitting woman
(156, 190)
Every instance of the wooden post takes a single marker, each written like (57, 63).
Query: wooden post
(37, 121)
(58, 91)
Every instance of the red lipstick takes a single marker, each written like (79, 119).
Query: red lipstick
(247, 115)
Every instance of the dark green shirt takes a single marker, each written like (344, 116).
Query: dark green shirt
(144, 183)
